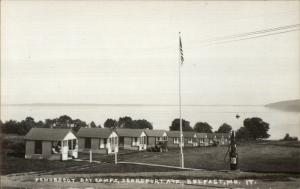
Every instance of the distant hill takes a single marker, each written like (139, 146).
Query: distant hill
(287, 106)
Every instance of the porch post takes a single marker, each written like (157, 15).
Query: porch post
(91, 158)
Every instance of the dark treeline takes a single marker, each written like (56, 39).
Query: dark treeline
(128, 122)
(64, 121)
(253, 129)
(201, 127)
(22, 127)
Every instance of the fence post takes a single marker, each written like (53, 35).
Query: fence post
(116, 157)
(91, 156)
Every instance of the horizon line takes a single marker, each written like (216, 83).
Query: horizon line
(103, 104)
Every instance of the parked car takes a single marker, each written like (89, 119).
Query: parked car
(159, 147)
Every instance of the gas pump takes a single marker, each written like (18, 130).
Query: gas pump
(233, 155)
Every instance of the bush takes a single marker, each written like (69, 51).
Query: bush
(13, 148)
(287, 137)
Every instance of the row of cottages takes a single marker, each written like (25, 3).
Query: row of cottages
(106, 141)
(63, 144)
(194, 139)
(190, 139)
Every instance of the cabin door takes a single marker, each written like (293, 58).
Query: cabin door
(113, 144)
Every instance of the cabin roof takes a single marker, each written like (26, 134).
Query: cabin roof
(211, 135)
(173, 134)
(201, 135)
(220, 135)
(154, 133)
(94, 132)
(189, 134)
(47, 134)
(129, 132)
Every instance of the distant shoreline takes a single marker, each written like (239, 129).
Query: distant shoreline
(91, 104)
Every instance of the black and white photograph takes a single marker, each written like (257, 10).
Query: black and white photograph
(152, 94)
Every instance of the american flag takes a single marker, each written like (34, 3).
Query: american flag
(180, 50)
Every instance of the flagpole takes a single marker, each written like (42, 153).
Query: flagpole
(179, 92)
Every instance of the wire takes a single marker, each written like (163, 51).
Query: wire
(259, 36)
(251, 33)
(228, 149)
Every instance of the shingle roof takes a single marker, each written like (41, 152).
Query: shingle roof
(94, 132)
(47, 134)
(211, 135)
(201, 135)
(173, 134)
(129, 132)
(189, 134)
(154, 133)
(220, 135)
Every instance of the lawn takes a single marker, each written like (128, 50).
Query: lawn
(254, 157)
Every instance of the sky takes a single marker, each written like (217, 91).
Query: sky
(126, 52)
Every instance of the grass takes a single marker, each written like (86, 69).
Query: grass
(254, 157)
(11, 164)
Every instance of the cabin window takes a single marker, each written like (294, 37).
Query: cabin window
(121, 141)
(55, 147)
(65, 143)
(70, 144)
(190, 141)
(134, 141)
(114, 141)
(175, 141)
(74, 143)
(143, 140)
(87, 143)
(102, 142)
(165, 138)
(38, 147)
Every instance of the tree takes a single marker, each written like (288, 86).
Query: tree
(202, 127)
(26, 125)
(110, 123)
(93, 125)
(224, 128)
(11, 126)
(49, 123)
(242, 134)
(64, 121)
(257, 128)
(125, 122)
(78, 124)
(39, 124)
(175, 126)
(287, 137)
(142, 124)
